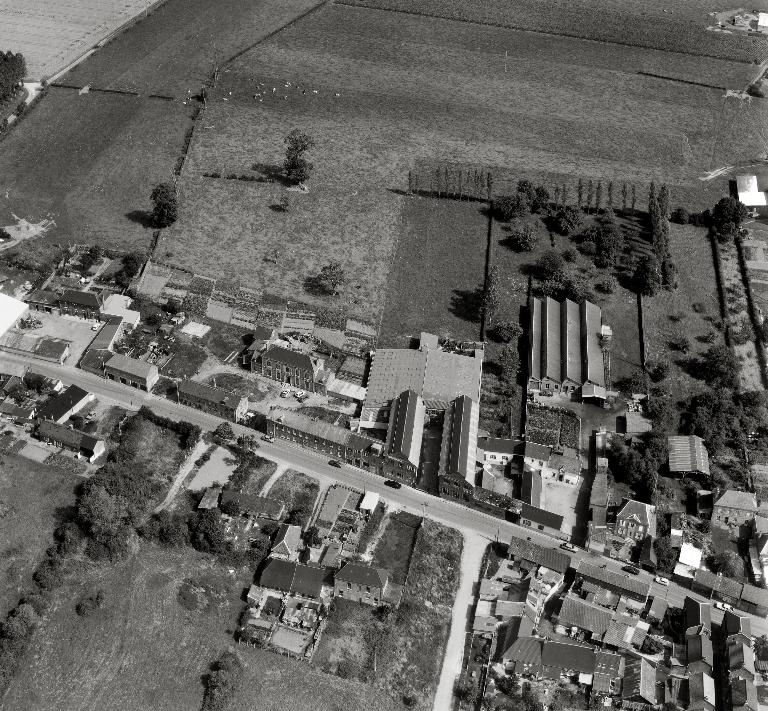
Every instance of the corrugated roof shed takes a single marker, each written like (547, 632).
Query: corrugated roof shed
(535, 339)
(591, 326)
(570, 324)
(551, 333)
(687, 454)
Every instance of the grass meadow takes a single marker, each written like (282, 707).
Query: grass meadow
(143, 650)
(31, 495)
(381, 92)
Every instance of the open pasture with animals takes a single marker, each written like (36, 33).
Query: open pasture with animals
(379, 92)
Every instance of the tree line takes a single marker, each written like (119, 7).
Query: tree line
(13, 68)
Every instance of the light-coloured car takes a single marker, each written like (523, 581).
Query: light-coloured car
(661, 580)
(568, 547)
(724, 606)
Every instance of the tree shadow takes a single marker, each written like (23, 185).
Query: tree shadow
(314, 285)
(271, 173)
(467, 304)
(141, 217)
(278, 207)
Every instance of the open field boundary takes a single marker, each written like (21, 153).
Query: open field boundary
(681, 81)
(523, 28)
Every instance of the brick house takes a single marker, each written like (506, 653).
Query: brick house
(131, 371)
(86, 304)
(361, 583)
(636, 520)
(215, 401)
(734, 508)
(298, 370)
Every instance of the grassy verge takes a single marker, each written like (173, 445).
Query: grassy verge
(400, 651)
(31, 496)
(393, 551)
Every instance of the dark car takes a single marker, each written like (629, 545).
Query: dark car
(392, 484)
(335, 463)
(630, 569)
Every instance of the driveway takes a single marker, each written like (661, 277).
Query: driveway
(471, 557)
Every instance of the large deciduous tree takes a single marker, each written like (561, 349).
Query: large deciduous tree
(297, 168)
(164, 204)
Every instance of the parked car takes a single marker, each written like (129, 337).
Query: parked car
(284, 393)
(724, 606)
(631, 569)
(335, 463)
(661, 580)
(95, 327)
(268, 438)
(392, 484)
(568, 547)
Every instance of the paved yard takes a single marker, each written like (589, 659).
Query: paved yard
(75, 330)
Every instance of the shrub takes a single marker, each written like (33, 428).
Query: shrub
(510, 207)
(608, 284)
(49, 574)
(570, 254)
(524, 238)
(223, 682)
(680, 216)
(568, 220)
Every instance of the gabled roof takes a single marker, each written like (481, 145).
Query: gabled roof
(735, 623)
(61, 434)
(740, 656)
(687, 454)
(308, 580)
(497, 445)
(541, 516)
(576, 612)
(525, 650)
(643, 514)
(59, 405)
(567, 655)
(537, 451)
(699, 649)
(208, 393)
(130, 366)
(289, 357)
(510, 631)
(742, 500)
(406, 426)
(538, 554)
(755, 595)
(697, 613)
(287, 539)
(277, 575)
(82, 298)
(639, 681)
(719, 583)
(618, 582)
(701, 691)
(362, 575)
(462, 443)
(743, 695)
(530, 490)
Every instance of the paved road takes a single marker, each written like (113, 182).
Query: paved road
(414, 500)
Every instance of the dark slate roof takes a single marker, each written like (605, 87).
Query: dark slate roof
(208, 393)
(697, 613)
(719, 583)
(743, 694)
(278, 575)
(735, 623)
(701, 691)
(576, 612)
(47, 429)
(291, 358)
(58, 406)
(497, 444)
(82, 298)
(567, 655)
(362, 575)
(308, 580)
(755, 595)
(699, 648)
(510, 632)
(639, 681)
(461, 433)
(537, 451)
(621, 582)
(740, 656)
(525, 650)
(530, 490)
(537, 515)
(50, 298)
(541, 555)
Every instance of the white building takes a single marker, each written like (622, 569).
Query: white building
(11, 310)
(747, 189)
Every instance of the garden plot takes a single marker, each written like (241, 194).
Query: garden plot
(214, 472)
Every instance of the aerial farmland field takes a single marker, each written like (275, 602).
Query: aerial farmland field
(381, 92)
(53, 33)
